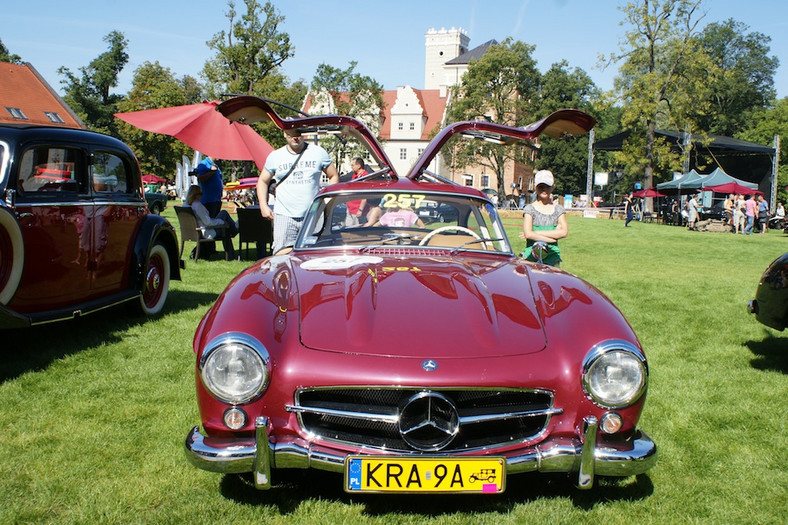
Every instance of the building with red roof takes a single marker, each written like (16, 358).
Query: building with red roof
(26, 98)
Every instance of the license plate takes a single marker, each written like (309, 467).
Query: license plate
(426, 474)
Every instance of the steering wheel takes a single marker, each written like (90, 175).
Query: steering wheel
(448, 228)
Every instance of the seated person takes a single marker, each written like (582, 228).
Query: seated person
(400, 217)
(229, 230)
(373, 215)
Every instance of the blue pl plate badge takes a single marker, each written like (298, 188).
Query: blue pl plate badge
(354, 474)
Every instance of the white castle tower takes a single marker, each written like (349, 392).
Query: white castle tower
(441, 46)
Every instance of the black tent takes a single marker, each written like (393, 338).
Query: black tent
(744, 160)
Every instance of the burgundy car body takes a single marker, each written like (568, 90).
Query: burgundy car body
(770, 304)
(75, 232)
(356, 337)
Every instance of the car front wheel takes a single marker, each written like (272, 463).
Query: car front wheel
(156, 281)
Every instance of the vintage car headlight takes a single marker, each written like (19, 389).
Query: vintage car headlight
(615, 374)
(235, 368)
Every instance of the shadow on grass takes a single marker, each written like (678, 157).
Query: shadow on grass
(35, 348)
(293, 487)
(771, 354)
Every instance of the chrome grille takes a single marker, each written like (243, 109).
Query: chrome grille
(405, 251)
(369, 416)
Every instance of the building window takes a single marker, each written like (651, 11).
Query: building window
(54, 117)
(485, 181)
(400, 126)
(421, 151)
(412, 126)
(468, 179)
(16, 113)
(403, 154)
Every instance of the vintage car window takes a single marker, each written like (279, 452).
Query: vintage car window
(46, 169)
(109, 173)
(446, 221)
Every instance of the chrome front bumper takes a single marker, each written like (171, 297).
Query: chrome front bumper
(585, 457)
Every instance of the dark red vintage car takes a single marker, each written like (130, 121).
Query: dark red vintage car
(75, 232)
(770, 304)
(413, 356)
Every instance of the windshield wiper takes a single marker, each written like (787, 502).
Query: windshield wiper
(387, 238)
(475, 241)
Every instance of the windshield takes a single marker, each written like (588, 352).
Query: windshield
(374, 219)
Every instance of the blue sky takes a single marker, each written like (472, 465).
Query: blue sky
(385, 38)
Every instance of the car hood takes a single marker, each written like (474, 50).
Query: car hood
(449, 306)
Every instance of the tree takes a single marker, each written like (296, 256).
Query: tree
(154, 86)
(567, 159)
(500, 86)
(247, 53)
(7, 56)
(89, 95)
(345, 92)
(768, 123)
(351, 93)
(745, 79)
(662, 81)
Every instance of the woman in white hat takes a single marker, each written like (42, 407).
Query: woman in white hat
(544, 222)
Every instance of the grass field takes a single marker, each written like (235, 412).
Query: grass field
(94, 412)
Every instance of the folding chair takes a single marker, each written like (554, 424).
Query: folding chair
(191, 230)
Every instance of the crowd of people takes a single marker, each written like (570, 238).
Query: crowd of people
(296, 170)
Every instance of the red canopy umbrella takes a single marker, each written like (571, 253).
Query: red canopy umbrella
(203, 128)
(648, 192)
(732, 187)
(153, 179)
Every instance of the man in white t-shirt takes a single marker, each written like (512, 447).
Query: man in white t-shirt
(295, 193)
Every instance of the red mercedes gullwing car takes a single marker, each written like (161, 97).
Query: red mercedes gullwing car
(415, 356)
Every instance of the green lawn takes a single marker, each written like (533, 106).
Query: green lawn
(94, 412)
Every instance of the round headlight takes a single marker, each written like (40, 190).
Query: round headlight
(614, 374)
(234, 368)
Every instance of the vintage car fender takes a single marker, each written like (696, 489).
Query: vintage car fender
(155, 262)
(770, 305)
(154, 229)
(12, 255)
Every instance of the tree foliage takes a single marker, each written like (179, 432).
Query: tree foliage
(744, 82)
(346, 92)
(768, 123)
(561, 88)
(154, 86)
(500, 86)
(89, 94)
(7, 56)
(248, 52)
(663, 81)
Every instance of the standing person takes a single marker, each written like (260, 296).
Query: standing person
(763, 213)
(296, 167)
(750, 209)
(738, 214)
(209, 176)
(693, 212)
(544, 222)
(223, 222)
(356, 209)
(728, 209)
(628, 209)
